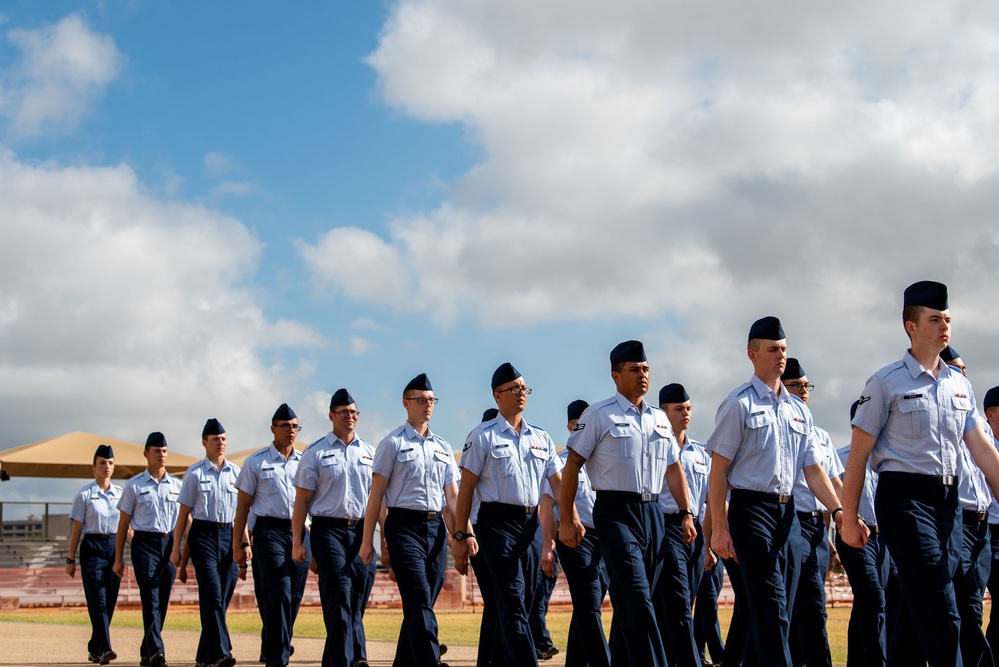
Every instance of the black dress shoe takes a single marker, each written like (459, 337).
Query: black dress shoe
(443, 649)
(144, 662)
(106, 657)
(158, 660)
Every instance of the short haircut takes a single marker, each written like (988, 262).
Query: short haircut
(754, 343)
(618, 367)
(912, 314)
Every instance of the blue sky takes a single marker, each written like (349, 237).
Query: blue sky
(209, 210)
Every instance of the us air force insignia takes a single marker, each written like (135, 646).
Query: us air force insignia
(863, 399)
(578, 427)
(468, 446)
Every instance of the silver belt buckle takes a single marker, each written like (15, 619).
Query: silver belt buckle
(431, 516)
(351, 522)
(947, 480)
(646, 497)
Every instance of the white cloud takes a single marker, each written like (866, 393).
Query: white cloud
(63, 68)
(699, 165)
(231, 189)
(123, 314)
(219, 164)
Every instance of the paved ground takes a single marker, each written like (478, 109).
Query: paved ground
(38, 645)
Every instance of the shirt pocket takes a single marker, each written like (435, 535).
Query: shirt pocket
(410, 461)
(660, 441)
(623, 440)
(502, 456)
(760, 424)
(915, 415)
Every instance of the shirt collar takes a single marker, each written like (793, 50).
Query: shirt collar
(764, 392)
(626, 405)
(413, 435)
(226, 464)
(915, 368)
(504, 425)
(275, 455)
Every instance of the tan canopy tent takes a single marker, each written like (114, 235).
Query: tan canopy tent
(72, 456)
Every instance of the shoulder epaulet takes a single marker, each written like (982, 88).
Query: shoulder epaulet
(893, 366)
(741, 388)
(535, 426)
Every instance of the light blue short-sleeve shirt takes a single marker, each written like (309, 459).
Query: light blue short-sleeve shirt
(209, 492)
(338, 474)
(866, 508)
(510, 466)
(153, 506)
(918, 420)
(696, 468)
(97, 510)
(767, 437)
(585, 495)
(626, 448)
(417, 468)
(270, 479)
(804, 499)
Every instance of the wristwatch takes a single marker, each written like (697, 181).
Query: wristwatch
(459, 535)
(70, 561)
(687, 511)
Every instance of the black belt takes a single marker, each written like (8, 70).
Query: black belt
(507, 508)
(149, 533)
(760, 496)
(970, 516)
(272, 522)
(415, 515)
(923, 481)
(809, 515)
(214, 525)
(874, 529)
(93, 537)
(332, 521)
(629, 496)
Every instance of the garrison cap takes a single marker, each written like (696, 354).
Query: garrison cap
(505, 373)
(673, 393)
(629, 350)
(284, 413)
(341, 397)
(156, 439)
(420, 383)
(792, 370)
(212, 427)
(575, 409)
(926, 293)
(490, 413)
(991, 398)
(767, 328)
(104, 452)
(949, 354)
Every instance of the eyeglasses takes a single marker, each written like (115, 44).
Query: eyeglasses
(423, 400)
(347, 413)
(800, 385)
(287, 428)
(516, 391)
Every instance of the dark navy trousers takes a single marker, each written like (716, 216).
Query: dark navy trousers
(486, 657)
(417, 548)
(867, 570)
(707, 629)
(335, 544)
(672, 595)
(279, 582)
(740, 650)
(920, 522)
(537, 617)
(631, 534)
(586, 575)
(506, 536)
(767, 540)
(809, 641)
(992, 635)
(154, 574)
(364, 577)
(100, 587)
(969, 588)
(215, 570)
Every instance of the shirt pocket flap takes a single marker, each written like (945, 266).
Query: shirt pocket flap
(760, 419)
(618, 431)
(504, 451)
(540, 452)
(913, 405)
(407, 454)
(442, 457)
(962, 403)
(800, 426)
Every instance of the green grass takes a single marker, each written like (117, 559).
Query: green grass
(456, 628)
